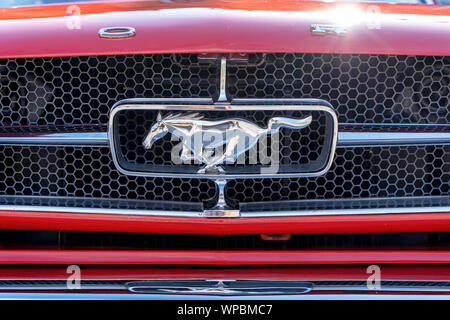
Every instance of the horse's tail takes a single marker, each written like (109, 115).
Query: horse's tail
(277, 122)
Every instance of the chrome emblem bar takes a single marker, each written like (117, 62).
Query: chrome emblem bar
(321, 30)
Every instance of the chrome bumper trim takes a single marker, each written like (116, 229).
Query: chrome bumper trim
(343, 212)
(162, 213)
(133, 296)
(242, 214)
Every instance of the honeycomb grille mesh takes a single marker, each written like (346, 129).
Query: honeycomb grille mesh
(359, 173)
(356, 173)
(87, 172)
(362, 88)
(82, 90)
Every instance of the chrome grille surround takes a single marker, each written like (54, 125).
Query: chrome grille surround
(323, 134)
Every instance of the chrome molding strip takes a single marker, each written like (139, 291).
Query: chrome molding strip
(340, 212)
(164, 213)
(55, 138)
(345, 139)
(242, 214)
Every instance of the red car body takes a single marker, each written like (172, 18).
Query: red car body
(214, 26)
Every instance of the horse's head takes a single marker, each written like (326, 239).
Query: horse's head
(158, 130)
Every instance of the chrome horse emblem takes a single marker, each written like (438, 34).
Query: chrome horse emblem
(237, 135)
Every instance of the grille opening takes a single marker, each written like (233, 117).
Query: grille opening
(37, 239)
(76, 93)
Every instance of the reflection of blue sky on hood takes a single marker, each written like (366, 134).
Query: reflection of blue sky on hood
(13, 3)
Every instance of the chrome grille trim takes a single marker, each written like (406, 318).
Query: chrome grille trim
(367, 138)
(345, 139)
(55, 138)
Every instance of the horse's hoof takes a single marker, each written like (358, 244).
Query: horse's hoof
(211, 170)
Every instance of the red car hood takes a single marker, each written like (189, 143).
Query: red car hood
(223, 26)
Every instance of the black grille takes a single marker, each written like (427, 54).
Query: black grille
(362, 88)
(82, 90)
(356, 173)
(87, 172)
(77, 94)
(359, 173)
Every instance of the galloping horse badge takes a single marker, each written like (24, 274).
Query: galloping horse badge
(237, 134)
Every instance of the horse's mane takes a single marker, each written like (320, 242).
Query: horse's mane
(184, 115)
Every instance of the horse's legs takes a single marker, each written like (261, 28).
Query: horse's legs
(228, 155)
(187, 155)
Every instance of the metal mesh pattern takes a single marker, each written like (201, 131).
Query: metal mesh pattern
(82, 90)
(362, 88)
(87, 172)
(77, 93)
(359, 173)
(356, 173)
(297, 147)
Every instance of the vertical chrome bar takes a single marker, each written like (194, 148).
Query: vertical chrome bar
(221, 209)
(221, 183)
(223, 81)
